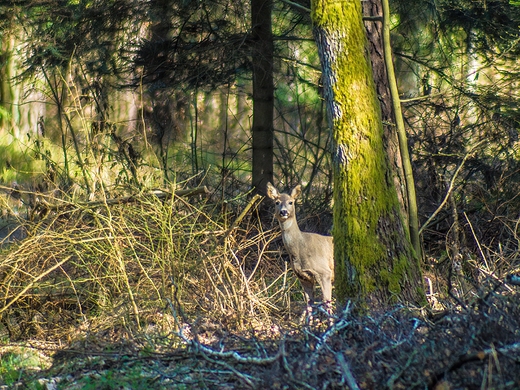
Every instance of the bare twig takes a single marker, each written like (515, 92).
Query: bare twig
(390, 383)
(477, 241)
(476, 357)
(244, 212)
(346, 371)
(450, 189)
(32, 282)
(161, 194)
(297, 6)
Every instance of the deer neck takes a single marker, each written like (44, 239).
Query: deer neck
(290, 230)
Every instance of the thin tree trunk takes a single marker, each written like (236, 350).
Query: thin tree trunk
(6, 84)
(413, 217)
(375, 262)
(263, 94)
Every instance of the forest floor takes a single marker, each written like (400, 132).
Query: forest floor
(472, 346)
(53, 336)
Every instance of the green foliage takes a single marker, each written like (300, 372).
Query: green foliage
(4, 113)
(18, 363)
(299, 92)
(131, 378)
(86, 29)
(18, 165)
(495, 24)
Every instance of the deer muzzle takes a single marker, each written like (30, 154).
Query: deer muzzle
(284, 213)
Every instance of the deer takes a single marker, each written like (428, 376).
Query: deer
(311, 254)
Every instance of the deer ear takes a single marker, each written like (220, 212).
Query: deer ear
(296, 191)
(271, 191)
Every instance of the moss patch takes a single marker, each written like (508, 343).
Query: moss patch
(363, 193)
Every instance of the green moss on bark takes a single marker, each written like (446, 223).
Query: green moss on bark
(371, 260)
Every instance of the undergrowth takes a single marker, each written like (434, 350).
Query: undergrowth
(123, 264)
(172, 288)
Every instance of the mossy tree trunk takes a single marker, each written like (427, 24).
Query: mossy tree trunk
(375, 263)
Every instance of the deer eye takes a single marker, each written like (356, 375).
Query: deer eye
(291, 203)
(277, 203)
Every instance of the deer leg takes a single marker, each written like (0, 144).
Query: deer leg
(307, 279)
(325, 281)
(308, 289)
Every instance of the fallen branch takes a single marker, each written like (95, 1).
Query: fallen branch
(346, 371)
(244, 212)
(43, 205)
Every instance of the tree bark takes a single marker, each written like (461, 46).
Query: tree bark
(395, 138)
(263, 94)
(373, 9)
(375, 263)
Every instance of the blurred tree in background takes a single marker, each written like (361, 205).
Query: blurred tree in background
(162, 87)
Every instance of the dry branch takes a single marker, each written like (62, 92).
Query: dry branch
(477, 357)
(161, 194)
(32, 282)
(244, 212)
(450, 189)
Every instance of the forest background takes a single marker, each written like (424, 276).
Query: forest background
(109, 109)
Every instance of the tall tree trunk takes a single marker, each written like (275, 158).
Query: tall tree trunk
(17, 117)
(160, 112)
(375, 263)
(395, 139)
(372, 12)
(263, 93)
(409, 182)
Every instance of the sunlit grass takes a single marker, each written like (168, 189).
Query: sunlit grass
(149, 262)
